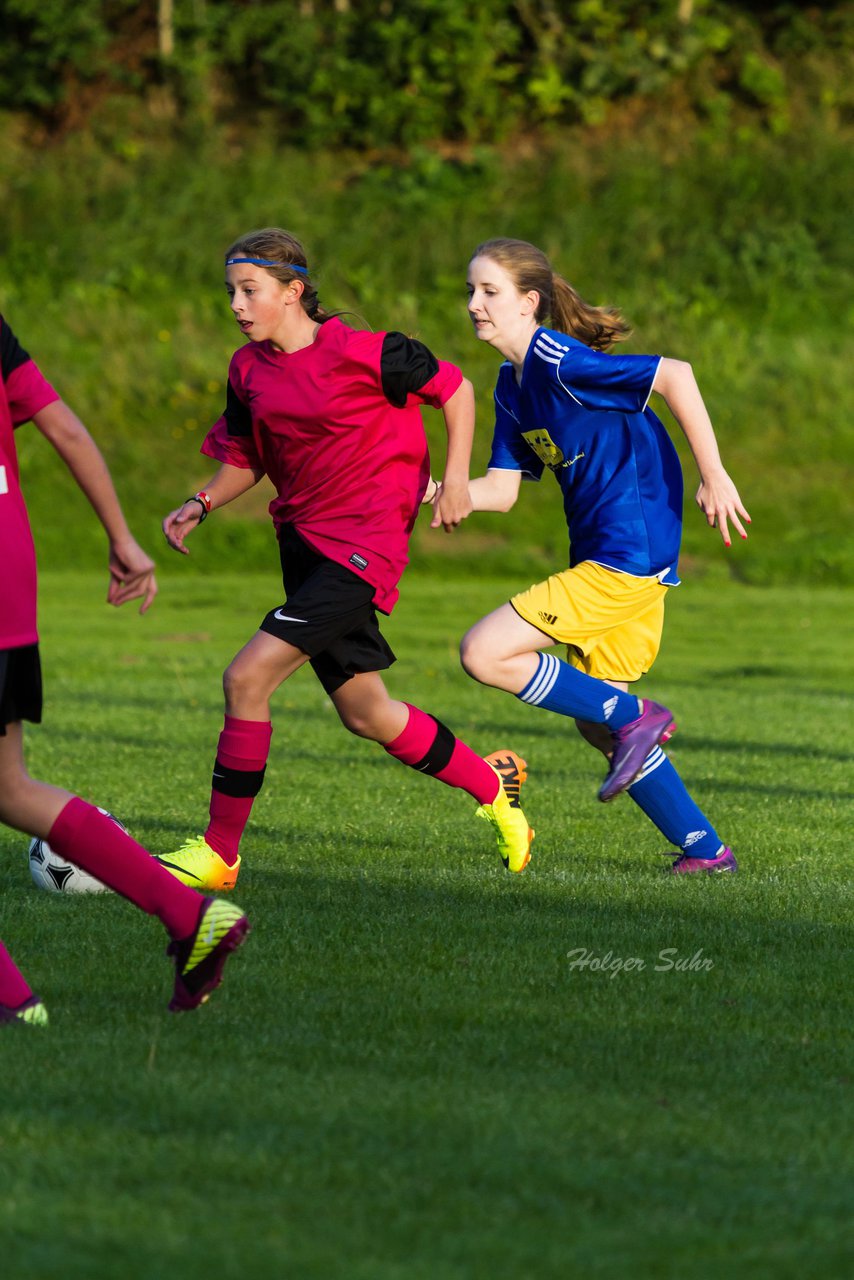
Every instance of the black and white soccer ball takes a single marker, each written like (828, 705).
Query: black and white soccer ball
(56, 874)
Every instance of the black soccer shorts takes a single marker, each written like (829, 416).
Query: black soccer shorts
(20, 686)
(328, 613)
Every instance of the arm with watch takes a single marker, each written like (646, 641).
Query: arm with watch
(228, 483)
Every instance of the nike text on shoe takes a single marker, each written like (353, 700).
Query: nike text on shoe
(505, 813)
(687, 866)
(200, 866)
(632, 745)
(199, 959)
(32, 1011)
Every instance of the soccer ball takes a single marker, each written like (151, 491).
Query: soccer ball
(56, 874)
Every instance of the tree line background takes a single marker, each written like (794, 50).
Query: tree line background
(369, 73)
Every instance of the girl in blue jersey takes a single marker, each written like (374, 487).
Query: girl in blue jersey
(563, 402)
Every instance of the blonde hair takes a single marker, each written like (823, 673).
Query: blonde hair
(530, 269)
(283, 249)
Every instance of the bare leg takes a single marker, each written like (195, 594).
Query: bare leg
(367, 709)
(26, 804)
(502, 650)
(78, 831)
(414, 737)
(257, 671)
(249, 682)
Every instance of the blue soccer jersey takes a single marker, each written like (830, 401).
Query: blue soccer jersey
(584, 415)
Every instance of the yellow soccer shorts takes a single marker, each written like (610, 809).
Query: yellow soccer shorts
(611, 622)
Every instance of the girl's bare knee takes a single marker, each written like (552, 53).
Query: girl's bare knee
(238, 682)
(475, 659)
(359, 726)
(14, 795)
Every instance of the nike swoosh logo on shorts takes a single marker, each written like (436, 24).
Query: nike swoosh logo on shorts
(286, 617)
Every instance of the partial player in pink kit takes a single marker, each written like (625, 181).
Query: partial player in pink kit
(332, 416)
(203, 930)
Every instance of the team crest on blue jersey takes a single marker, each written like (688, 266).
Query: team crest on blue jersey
(546, 449)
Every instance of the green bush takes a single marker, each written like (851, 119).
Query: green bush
(363, 74)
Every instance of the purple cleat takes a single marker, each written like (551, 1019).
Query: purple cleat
(687, 866)
(632, 745)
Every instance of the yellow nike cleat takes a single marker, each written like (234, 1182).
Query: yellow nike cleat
(200, 958)
(200, 866)
(505, 813)
(32, 1011)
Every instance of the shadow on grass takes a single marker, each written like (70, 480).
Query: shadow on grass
(398, 967)
(550, 729)
(796, 750)
(778, 793)
(790, 680)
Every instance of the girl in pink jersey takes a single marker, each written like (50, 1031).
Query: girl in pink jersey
(332, 416)
(77, 830)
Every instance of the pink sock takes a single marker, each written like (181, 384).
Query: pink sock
(94, 842)
(13, 986)
(429, 747)
(468, 771)
(241, 758)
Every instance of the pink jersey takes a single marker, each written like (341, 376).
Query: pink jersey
(337, 427)
(23, 392)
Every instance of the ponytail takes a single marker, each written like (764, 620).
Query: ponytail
(530, 270)
(596, 327)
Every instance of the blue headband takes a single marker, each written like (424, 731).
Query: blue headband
(266, 262)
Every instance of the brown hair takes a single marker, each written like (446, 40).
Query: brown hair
(285, 250)
(530, 269)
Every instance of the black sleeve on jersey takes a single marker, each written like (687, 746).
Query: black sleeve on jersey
(12, 354)
(406, 365)
(237, 416)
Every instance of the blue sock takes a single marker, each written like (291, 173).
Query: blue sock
(557, 686)
(664, 798)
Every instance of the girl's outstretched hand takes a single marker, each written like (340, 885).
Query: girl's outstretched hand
(179, 523)
(451, 506)
(717, 497)
(131, 575)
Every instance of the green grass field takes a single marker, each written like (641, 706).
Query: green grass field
(403, 1077)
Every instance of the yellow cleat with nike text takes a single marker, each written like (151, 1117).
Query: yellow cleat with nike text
(505, 813)
(200, 866)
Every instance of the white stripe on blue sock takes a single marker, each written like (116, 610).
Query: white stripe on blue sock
(543, 680)
(655, 758)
